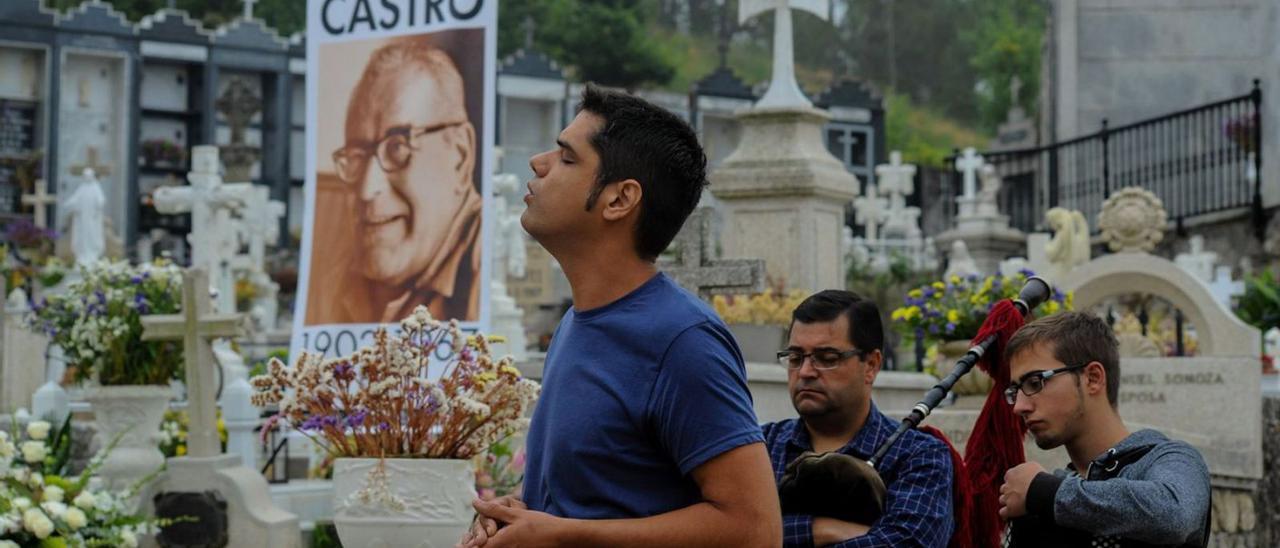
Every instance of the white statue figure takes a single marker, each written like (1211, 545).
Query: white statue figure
(988, 204)
(83, 212)
(1271, 345)
(1069, 246)
(960, 263)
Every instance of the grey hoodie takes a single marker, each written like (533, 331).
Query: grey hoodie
(1148, 490)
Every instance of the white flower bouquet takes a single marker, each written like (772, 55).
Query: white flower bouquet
(97, 322)
(41, 507)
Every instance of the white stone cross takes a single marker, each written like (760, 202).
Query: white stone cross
(39, 201)
(1197, 261)
(1223, 287)
(896, 180)
(969, 163)
(697, 271)
(213, 236)
(196, 327)
(248, 9)
(783, 90)
(871, 210)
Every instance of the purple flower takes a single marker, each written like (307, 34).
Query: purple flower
(951, 327)
(384, 426)
(312, 423)
(1026, 272)
(136, 280)
(933, 330)
(357, 418)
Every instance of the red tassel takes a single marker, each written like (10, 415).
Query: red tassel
(995, 445)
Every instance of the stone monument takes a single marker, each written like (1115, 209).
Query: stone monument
(22, 351)
(1132, 221)
(508, 260)
(1069, 246)
(960, 262)
(979, 223)
(696, 268)
(781, 183)
(1197, 260)
(207, 482)
(238, 103)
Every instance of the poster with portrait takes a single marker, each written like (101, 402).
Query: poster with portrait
(400, 110)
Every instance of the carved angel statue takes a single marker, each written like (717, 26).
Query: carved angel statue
(1069, 247)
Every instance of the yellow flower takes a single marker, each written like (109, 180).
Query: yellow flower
(913, 313)
(941, 286)
(915, 293)
(955, 280)
(953, 316)
(1051, 307)
(181, 450)
(897, 314)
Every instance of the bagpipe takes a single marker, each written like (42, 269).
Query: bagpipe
(843, 487)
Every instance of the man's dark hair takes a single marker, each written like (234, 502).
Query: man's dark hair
(866, 332)
(645, 142)
(1076, 338)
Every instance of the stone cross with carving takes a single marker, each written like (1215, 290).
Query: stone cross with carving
(871, 209)
(969, 163)
(896, 180)
(697, 271)
(39, 200)
(213, 236)
(196, 327)
(783, 89)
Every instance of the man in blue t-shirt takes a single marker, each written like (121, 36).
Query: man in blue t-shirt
(644, 434)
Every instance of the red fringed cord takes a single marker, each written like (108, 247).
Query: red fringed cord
(995, 445)
(962, 536)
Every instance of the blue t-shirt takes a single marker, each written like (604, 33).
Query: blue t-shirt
(635, 395)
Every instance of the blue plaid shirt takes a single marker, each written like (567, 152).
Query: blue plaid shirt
(916, 472)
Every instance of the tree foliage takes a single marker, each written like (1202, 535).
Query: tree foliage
(603, 41)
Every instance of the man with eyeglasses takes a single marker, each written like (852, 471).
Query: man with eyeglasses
(832, 358)
(409, 162)
(1121, 489)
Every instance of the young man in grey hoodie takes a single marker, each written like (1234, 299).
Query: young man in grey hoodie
(1121, 489)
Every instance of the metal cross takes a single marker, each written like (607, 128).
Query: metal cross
(196, 327)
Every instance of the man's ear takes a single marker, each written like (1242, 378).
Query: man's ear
(875, 360)
(620, 199)
(1095, 377)
(462, 141)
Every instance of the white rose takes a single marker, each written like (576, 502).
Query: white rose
(55, 509)
(8, 544)
(130, 540)
(22, 503)
(39, 524)
(38, 430)
(53, 493)
(84, 500)
(33, 451)
(75, 518)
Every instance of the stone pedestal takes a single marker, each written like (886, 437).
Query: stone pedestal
(508, 321)
(252, 518)
(785, 198)
(989, 238)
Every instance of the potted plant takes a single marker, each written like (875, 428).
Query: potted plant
(759, 321)
(949, 314)
(98, 323)
(40, 505)
(403, 423)
(163, 153)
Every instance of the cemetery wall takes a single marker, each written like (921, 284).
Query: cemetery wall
(1127, 60)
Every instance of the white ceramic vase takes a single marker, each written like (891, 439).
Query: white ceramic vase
(410, 503)
(134, 413)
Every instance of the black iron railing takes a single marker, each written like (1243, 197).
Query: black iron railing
(1200, 160)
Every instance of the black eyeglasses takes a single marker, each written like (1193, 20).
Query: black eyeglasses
(823, 359)
(1032, 383)
(393, 151)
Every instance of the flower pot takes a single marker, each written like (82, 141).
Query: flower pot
(975, 383)
(759, 343)
(402, 502)
(134, 413)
